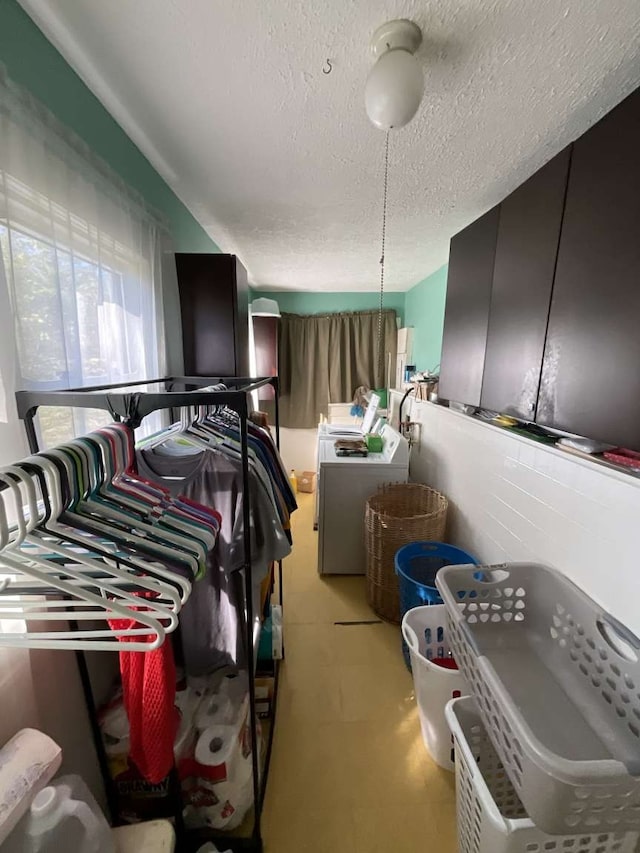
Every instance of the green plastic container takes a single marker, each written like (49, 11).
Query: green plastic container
(382, 393)
(374, 443)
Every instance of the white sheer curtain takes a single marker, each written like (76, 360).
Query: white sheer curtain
(80, 304)
(82, 262)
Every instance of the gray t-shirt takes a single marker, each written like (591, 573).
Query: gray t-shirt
(212, 620)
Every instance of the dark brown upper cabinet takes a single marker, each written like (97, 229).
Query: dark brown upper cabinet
(466, 317)
(526, 252)
(214, 302)
(591, 373)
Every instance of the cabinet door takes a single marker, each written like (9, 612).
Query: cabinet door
(241, 319)
(591, 373)
(526, 251)
(466, 315)
(214, 306)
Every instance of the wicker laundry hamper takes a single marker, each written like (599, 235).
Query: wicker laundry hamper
(397, 514)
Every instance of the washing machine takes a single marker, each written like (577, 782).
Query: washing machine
(344, 484)
(332, 432)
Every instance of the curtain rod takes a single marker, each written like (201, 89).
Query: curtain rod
(367, 311)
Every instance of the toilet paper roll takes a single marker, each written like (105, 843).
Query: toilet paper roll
(214, 710)
(230, 814)
(199, 684)
(216, 749)
(242, 802)
(211, 804)
(243, 771)
(222, 804)
(114, 725)
(185, 736)
(240, 774)
(235, 797)
(235, 686)
(27, 764)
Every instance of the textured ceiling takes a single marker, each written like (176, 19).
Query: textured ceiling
(278, 161)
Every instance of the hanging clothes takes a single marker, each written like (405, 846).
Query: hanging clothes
(212, 620)
(131, 541)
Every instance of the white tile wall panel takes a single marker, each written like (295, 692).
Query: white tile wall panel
(513, 499)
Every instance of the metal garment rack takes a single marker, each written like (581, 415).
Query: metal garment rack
(126, 403)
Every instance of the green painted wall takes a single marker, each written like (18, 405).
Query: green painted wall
(32, 61)
(299, 302)
(424, 310)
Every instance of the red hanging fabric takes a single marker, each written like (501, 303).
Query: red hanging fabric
(149, 692)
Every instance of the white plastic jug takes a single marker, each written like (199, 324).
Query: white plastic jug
(63, 817)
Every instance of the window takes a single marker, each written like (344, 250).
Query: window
(80, 257)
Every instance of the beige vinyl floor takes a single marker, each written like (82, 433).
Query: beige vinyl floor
(349, 772)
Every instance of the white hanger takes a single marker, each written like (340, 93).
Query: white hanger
(158, 549)
(74, 585)
(38, 537)
(99, 639)
(148, 503)
(98, 583)
(164, 608)
(111, 511)
(145, 500)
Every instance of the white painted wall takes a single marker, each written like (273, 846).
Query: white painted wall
(514, 499)
(41, 689)
(298, 448)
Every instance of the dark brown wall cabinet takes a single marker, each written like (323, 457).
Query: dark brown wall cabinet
(543, 304)
(467, 309)
(214, 301)
(526, 252)
(591, 376)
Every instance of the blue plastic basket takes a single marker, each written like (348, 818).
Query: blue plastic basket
(416, 566)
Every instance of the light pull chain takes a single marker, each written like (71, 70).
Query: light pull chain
(384, 235)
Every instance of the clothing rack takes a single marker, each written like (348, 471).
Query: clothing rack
(128, 403)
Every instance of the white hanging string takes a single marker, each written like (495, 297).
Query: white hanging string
(383, 240)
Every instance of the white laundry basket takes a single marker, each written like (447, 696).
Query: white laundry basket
(491, 817)
(424, 631)
(557, 680)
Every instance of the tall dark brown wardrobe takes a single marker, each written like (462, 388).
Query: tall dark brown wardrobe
(214, 302)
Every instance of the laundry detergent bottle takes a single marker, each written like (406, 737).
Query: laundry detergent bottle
(64, 817)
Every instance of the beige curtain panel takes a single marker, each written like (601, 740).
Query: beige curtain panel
(323, 358)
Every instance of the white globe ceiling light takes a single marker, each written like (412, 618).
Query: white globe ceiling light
(395, 84)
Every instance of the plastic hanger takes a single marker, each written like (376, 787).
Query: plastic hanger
(168, 520)
(105, 545)
(143, 538)
(97, 639)
(165, 601)
(104, 575)
(155, 503)
(108, 549)
(136, 510)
